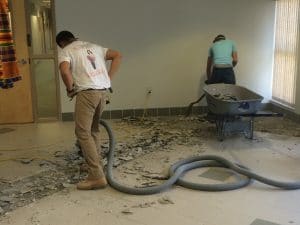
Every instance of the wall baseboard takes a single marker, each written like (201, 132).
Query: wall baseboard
(151, 112)
(175, 111)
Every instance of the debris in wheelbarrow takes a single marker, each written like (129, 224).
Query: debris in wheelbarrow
(231, 99)
(233, 109)
(226, 97)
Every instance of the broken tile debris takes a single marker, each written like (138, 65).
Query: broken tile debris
(144, 205)
(127, 211)
(155, 135)
(26, 161)
(165, 200)
(156, 176)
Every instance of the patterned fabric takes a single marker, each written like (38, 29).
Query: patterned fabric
(9, 72)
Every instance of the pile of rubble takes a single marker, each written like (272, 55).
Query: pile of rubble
(156, 134)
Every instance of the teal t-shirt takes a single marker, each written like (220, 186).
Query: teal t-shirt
(221, 52)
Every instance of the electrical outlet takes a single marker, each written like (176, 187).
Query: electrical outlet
(149, 91)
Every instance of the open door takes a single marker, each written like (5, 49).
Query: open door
(16, 102)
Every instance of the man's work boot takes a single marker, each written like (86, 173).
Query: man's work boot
(90, 184)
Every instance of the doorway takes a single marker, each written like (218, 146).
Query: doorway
(42, 54)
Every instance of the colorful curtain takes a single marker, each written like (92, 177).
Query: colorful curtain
(9, 72)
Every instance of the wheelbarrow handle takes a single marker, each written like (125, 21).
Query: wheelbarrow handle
(264, 114)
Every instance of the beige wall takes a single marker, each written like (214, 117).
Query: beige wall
(165, 43)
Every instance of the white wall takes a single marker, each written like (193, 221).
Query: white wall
(164, 44)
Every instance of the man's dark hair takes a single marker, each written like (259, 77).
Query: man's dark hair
(219, 37)
(64, 36)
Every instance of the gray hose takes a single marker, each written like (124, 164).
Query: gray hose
(177, 170)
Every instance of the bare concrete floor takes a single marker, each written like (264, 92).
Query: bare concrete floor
(149, 147)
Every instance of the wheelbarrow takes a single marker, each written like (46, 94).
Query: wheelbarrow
(233, 109)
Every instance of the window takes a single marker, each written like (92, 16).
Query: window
(286, 51)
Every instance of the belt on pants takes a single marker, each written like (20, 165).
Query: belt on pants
(102, 89)
(93, 89)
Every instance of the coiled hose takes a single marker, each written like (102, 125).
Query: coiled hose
(176, 171)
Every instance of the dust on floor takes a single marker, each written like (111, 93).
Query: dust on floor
(137, 139)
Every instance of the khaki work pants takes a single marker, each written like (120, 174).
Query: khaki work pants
(88, 108)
